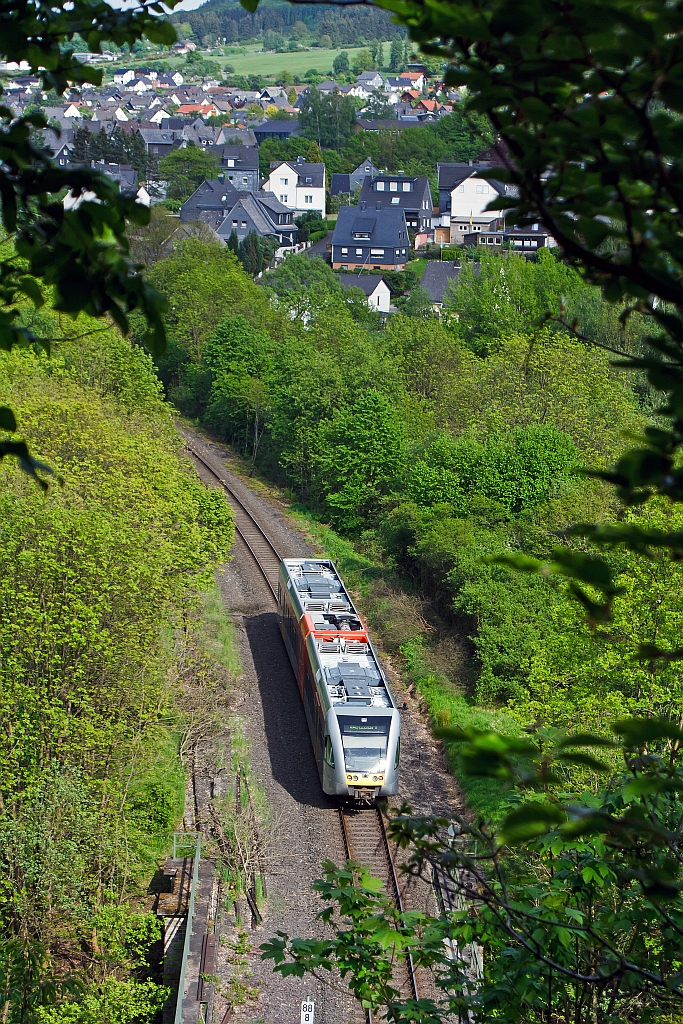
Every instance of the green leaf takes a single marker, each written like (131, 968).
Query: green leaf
(529, 822)
(637, 732)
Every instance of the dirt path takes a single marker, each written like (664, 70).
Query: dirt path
(305, 828)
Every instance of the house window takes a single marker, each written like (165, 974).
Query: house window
(393, 186)
(482, 189)
(406, 186)
(380, 186)
(395, 200)
(243, 224)
(284, 181)
(283, 199)
(345, 252)
(245, 180)
(345, 266)
(461, 189)
(309, 181)
(234, 225)
(231, 162)
(359, 252)
(308, 199)
(377, 252)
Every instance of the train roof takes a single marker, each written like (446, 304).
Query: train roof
(347, 670)
(315, 585)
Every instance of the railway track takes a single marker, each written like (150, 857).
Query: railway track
(363, 829)
(366, 841)
(262, 549)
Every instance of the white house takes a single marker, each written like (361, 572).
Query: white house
(376, 289)
(298, 185)
(463, 199)
(124, 76)
(371, 80)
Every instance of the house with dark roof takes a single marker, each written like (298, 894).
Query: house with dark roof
(262, 213)
(465, 190)
(343, 184)
(209, 202)
(298, 184)
(240, 166)
(159, 142)
(275, 130)
(373, 286)
(436, 278)
(412, 195)
(226, 209)
(370, 238)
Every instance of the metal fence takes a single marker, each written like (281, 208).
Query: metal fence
(190, 916)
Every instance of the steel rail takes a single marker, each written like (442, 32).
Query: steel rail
(240, 507)
(392, 876)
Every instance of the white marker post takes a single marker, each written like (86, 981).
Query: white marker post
(308, 1011)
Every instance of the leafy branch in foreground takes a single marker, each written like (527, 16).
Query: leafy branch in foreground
(575, 899)
(81, 254)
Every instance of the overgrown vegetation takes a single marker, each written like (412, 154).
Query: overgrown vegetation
(95, 578)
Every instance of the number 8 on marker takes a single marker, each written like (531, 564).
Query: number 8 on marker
(307, 1013)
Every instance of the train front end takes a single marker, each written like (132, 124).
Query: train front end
(365, 745)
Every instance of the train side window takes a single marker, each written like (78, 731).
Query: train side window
(329, 752)
(398, 752)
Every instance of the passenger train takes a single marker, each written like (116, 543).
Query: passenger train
(354, 723)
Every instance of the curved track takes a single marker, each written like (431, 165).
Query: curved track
(262, 549)
(363, 829)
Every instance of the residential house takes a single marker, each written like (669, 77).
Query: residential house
(372, 239)
(527, 240)
(412, 195)
(463, 199)
(203, 109)
(371, 80)
(170, 80)
(230, 136)
(240, 166)
(263, 213)
(436, 278)
(275, 130)
(184, 46)
(225, 209)
(297, 184)
(209, 202)
(378, 125)
(202, 136)
(343, 184)
(124, 76)
(377, 291)
(159, 142)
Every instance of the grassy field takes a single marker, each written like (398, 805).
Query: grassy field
(256, 62)
(272, 64)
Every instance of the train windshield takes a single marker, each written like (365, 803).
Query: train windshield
(365, 742)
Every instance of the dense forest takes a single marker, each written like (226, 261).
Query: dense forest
(438, 442)
(348, 26)
(99, 574)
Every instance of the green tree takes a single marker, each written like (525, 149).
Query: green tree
(340, 64)
(328, 120)
(185, 170)
(396, 54)
(363, 61)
